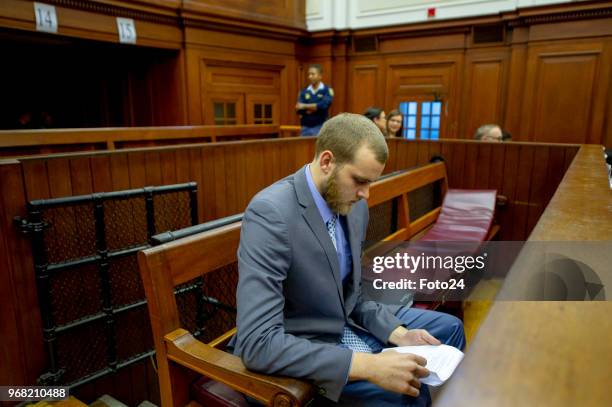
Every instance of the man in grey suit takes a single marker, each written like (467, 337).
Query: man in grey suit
(300, 310)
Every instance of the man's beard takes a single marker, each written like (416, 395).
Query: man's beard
(331, 194)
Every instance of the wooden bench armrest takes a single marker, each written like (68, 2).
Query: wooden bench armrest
(226, 368)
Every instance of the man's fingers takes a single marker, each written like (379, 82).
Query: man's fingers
(415, 383)
(420, 360)
(421, 371)
(412, 391)
(429, 338)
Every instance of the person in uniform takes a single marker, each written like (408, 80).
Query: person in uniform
(314, 102)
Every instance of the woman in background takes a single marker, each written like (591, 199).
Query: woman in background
(395, 124)
(378, 116)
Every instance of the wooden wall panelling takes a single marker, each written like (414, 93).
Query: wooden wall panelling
(446, 154)
(268, 14)
(81, 176)
(569, 92)
(537, 195)
(423, 153)
(483, 168)
(168, 164)
(194, 86)
(412, 153)
(201, 170)
(255, 172)
(256, 56)
(242, 84)
(285, 111)
(607, 125)
(521, 200)
(120, 171)
(183, 167)
(435, 149)
(241, 180)
(496, 168)
(101, 174)
(169, 91)
(339, 74)
(137, 169)
(484, 89)
(456, 170)
(472, 163)
(510, 173)
(392, 160)
(231, 172)
(219, 182)
(516, 85)
(364, 90)
(21, 348)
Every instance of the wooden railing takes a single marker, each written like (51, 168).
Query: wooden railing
(30, 142)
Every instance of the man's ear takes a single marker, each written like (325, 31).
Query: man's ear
(327, 162)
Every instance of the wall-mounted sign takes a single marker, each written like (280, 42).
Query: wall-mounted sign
(46, 19)
(127, 30)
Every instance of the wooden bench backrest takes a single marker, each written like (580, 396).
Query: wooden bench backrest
(399, 187)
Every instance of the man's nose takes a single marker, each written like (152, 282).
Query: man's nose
(364, 193)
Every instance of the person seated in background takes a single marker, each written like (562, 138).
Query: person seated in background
(378, 116)
(489, 132)
(314, 102)
(395, 124)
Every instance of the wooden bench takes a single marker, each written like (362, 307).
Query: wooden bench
(205, 248)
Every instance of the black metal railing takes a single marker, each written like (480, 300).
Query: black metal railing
(94, 315)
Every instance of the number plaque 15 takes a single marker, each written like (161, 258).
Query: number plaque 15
(127, 30)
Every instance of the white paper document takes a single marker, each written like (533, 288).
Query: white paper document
(442, 360)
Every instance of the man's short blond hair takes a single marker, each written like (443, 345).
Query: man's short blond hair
(345, 133)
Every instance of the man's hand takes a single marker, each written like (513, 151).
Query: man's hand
(406, 337)
(393, 371)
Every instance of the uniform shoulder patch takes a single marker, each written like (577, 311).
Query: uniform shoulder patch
(331, 91)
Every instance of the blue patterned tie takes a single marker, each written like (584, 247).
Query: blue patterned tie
(349, 338)
(331, 229)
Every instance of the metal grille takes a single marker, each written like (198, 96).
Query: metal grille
(207, 305)
(91, 298)
(424, 199)
(76, 226)
(383, 222)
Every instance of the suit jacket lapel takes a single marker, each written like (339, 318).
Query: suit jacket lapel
(313, 219)
(354, 237)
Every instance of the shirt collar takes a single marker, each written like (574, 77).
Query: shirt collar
(324, 210)
(321, 87)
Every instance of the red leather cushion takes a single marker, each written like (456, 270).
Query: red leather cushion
(466, 215)
(211, 393)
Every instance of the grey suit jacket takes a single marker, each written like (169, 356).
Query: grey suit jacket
(292, 305)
